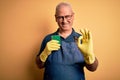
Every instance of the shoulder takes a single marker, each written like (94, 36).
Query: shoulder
(48, 37)
(76, 33)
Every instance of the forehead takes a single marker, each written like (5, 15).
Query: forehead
(64, 10)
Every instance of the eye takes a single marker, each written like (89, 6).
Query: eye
(68, 17)
(59, 17)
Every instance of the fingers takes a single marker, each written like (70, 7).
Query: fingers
(54, 42)
(85, 33)
(79, 41)
(54, 48)
(53, 45)
(89, 35)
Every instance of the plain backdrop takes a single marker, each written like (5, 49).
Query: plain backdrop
(24, 24)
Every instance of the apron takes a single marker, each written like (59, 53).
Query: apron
(65, 64)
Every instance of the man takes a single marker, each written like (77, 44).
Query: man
(66, 59)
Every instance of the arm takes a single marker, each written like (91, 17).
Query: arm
(43, 55)
(85, 45)
(39, 63)
(93, 66)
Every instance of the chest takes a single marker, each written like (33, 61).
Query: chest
(68, 54)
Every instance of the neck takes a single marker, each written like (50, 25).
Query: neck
(65, 33)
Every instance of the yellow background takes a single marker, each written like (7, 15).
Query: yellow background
(24, 23)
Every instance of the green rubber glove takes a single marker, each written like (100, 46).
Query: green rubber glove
(86, 46)
(50, 46)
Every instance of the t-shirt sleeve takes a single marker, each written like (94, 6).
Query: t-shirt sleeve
(44, 42)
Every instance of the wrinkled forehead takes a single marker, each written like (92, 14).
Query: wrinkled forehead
(64, 10)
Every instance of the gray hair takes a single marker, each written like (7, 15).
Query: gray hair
(62, 4)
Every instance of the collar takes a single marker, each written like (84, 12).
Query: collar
(71, 37)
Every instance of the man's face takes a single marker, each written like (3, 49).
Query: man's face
(64, 18)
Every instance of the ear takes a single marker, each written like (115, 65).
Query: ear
(73, 16)
(55, 18)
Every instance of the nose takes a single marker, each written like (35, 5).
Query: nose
(64, 19)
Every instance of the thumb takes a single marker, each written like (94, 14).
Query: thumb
(79, 41)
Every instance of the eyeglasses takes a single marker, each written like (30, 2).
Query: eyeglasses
(67, 17)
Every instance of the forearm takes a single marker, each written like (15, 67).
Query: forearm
(39, 63)
(40, 59)
(93, 66)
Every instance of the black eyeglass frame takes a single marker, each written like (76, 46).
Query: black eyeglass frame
(67, 17)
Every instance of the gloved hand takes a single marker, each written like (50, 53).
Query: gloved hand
(85, 45)
(50, 46)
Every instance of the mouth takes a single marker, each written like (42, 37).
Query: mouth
(64, 24)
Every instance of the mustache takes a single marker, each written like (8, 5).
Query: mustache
(64, 23)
